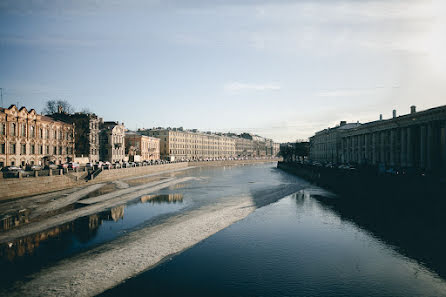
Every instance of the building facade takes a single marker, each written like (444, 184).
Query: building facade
(112, 142)
(180, 144)
(145, 146)
(325, 145)
(415, 140)
(27, 138)
(86, 134)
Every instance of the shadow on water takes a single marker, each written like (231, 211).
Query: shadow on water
(414, 224)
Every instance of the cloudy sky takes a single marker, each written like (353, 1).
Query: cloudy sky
(281, 69)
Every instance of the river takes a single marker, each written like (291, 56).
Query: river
(295, 240)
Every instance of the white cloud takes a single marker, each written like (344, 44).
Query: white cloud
(238, 86)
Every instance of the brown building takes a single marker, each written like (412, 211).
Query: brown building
(86, 133)
(145, 146)
(29, 138)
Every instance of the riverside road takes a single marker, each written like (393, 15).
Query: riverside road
(221, 231)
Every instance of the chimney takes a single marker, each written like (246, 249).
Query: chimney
(394, 113)
(380, 117)
(343, 123)
(413, 109)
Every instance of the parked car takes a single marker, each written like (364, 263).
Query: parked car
(117, 165)
(125, 164)
(14, 171)
(11, 168)
(89, 165)
(34, 167)
(73, 165)
(51, 166)
(106, 165)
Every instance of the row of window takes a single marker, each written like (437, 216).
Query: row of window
(42, 133)
(199, 152)
(32, 149)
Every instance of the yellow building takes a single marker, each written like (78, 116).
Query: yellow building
(29, 138)
(179, 144)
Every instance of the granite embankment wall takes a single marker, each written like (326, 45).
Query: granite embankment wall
(14, 187)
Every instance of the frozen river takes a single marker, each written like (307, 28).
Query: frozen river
(224, 231)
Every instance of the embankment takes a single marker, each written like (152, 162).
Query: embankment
(364, 182)
(15, 188)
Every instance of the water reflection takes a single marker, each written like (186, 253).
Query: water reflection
(164, 198)
(26, 246)
(13, 220)
(83, 228)
(297, 246)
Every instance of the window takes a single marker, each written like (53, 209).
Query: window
(41, 150)
(33, 134)
(13, 128)
(33, 149)
(23, 149)
(12, 148)
(2, 148)
(47, 133)
(23, 130)
(47, 150)
(60, 150)
(41, 133)
(2, 129)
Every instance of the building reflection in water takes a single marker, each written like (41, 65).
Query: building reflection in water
(27, 245)
(13, 220)
(165, 198)
(84, 229)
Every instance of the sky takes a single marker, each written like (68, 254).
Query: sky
(282, 69)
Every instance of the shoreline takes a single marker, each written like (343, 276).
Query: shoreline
(15, 188)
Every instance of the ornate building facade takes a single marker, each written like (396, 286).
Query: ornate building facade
(27, 138)
(112, 142)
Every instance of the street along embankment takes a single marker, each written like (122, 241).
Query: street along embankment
(11, 188)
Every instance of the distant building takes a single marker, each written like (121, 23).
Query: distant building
(325, 145)
(112, 142)
(29, 138)
(86, 133)
(180, 144)
(145, 146)
(415, 140)
(244, 147)
(258, 146)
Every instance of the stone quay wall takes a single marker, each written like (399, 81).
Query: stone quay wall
(11, 188)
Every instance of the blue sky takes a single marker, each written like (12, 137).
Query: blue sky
(281, 69)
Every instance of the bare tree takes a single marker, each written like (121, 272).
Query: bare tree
(58, 106)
